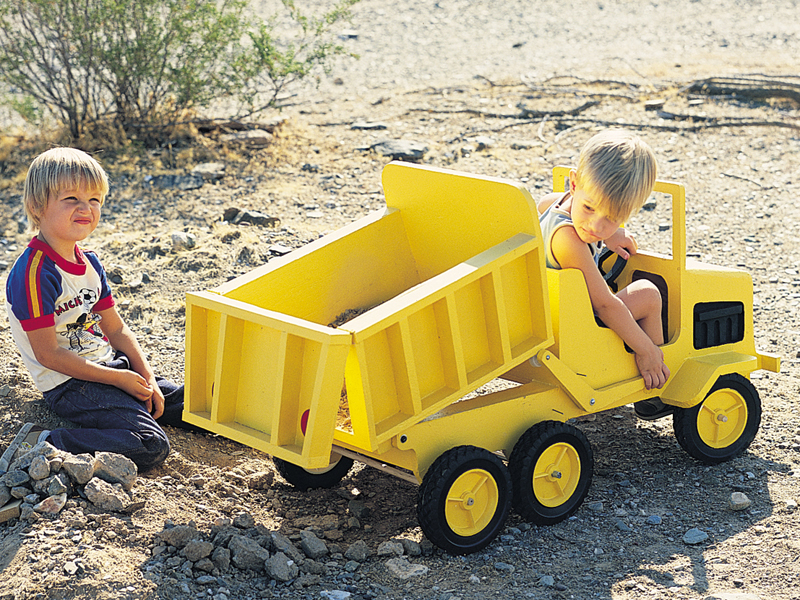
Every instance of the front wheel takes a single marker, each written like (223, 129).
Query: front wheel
(303, 479)
(723, 425)
(464, 499)
(551, 470)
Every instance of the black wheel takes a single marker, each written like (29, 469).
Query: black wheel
(464, 499)
(723, 425)
(551, 471)
(316, 478)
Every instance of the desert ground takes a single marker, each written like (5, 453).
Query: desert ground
(507, 89)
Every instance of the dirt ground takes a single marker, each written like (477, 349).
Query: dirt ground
(508, 93)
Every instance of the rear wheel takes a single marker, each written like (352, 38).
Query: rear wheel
(724, 424)
(464, 499)
(304, 479)
(551, 470)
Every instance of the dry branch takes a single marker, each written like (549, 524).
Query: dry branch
(754, 88)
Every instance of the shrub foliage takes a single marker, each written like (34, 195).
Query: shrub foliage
(144, 64)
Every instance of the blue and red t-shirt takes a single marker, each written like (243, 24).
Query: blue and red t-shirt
(44, 290)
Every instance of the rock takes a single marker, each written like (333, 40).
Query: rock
(181, 182)
(16, 478)
(19, 491)
(183, 241)
(505, 567)
(281, 543)
(71, 568)
(107, 496)
(622, 526)
(250, 217)
(732, 596)
(313, 567)
(474, 579)
(410, 547)
(197, 549)
(23, 460)
(653, 520)
(39, 468)
(221, 557)
(261, 480)
(739, 501)
(484, 142)
(694, 536)
(244, 520)
(115, 468)
(281, 568)
(279, 250)
(401, 150)
(369, 125)
(179, 536)
(547, 581)
(525, 144)
(51, 505)
(402, 569)
(351, 566)
(79, 467)
(205, 564)
(5, 495)
(246, 553)
(358, 551)
(10, 510)
(335, 594)
(253, 138)
(595, 506)
(390, 548)
(358, 509)
(210, 171)
(313, 546)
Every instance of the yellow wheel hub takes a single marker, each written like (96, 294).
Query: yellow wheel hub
(556, 475)
(722, 418)
(472, 502)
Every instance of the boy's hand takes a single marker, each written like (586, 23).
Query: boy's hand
(135, 385)
(651, 365)
(155, 404)
(623, 243)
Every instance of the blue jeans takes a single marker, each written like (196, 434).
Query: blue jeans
(111, 420)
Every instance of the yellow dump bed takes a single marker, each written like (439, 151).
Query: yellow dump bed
(450, 290)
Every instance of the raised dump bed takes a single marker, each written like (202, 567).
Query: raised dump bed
(449, 295)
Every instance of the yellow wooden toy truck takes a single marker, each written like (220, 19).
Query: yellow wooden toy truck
(450, 291)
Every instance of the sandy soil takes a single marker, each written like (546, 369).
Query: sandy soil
(738, 159)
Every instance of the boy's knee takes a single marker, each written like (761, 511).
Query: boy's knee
(647, 294)
(653, 295)
(156, 450)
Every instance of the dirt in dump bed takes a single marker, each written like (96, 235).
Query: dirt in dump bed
(343, 416)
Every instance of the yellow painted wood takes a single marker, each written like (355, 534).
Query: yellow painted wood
(452, 282)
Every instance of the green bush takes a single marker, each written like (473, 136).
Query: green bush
(144, 64)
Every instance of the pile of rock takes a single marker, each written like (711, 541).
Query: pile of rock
(185, 553)
(40, 481)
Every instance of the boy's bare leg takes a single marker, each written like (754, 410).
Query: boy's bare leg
(644, 301)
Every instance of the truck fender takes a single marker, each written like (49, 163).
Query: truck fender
(695, 376)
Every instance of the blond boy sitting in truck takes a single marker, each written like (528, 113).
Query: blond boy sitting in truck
(615, 175)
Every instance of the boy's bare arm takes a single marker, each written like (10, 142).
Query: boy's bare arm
(571, 252)
(123, 340)
(51, 355)
(546, 202)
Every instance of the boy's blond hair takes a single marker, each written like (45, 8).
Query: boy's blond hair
(55, 169)
(618, 170)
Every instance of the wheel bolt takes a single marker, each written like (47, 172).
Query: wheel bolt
(722, 418)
